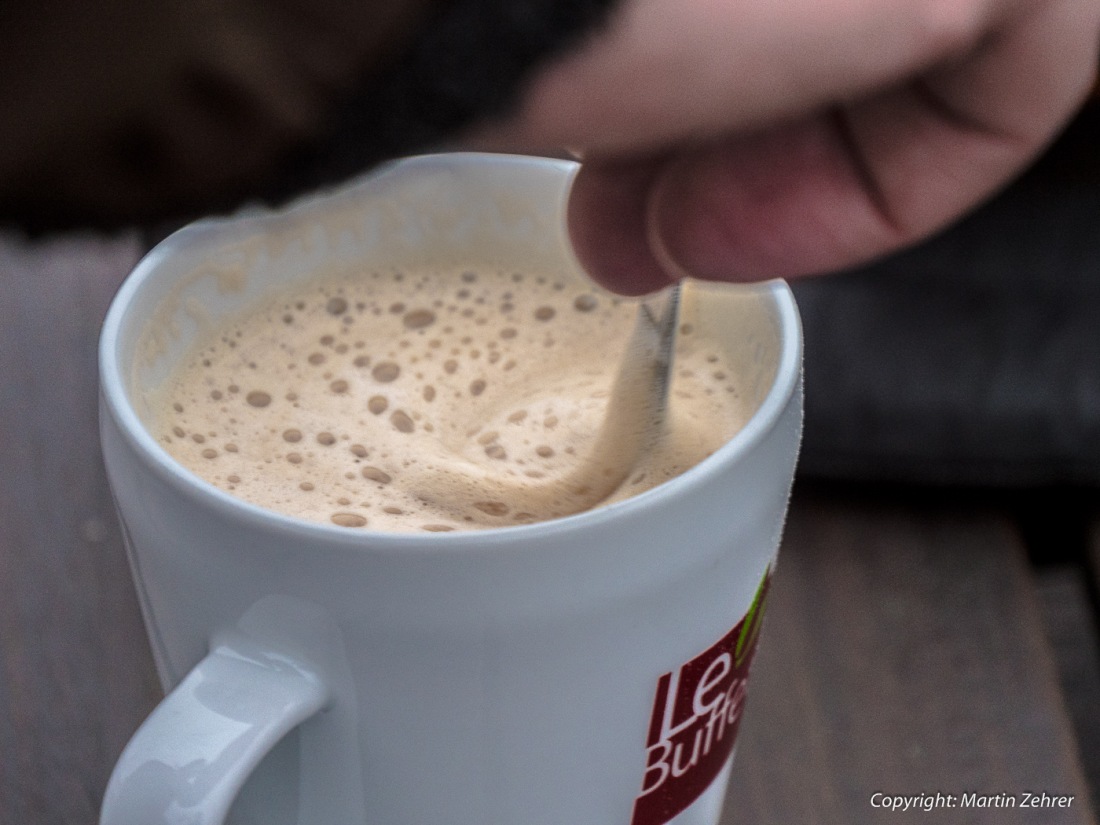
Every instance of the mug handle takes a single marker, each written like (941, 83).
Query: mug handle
(190, 758)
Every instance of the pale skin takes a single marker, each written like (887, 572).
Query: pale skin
(742, 140)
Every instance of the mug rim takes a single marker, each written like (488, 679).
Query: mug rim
(117, 404)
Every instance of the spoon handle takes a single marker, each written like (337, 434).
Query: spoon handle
(662, 312)
(637, 406)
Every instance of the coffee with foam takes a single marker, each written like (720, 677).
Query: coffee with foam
(432, 401)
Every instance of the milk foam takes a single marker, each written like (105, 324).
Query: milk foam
(433, 401)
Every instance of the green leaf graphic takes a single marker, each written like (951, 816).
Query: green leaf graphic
(751, 622)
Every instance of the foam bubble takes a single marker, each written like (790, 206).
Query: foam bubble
(418, 319)
(585, 303)
(348, 520)
(401, 421)
(376, 474)
(385, 372)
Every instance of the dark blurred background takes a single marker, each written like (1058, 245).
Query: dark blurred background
(974, 358)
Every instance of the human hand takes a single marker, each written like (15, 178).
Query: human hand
(743, 141)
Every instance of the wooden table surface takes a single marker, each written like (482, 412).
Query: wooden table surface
(915, 644)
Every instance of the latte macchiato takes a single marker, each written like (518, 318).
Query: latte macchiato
(432, 401)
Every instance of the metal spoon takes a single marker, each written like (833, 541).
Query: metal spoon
(638, 404)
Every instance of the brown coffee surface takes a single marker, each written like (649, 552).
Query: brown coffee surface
(434, 401)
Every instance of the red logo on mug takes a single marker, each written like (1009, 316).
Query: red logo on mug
(696, 713)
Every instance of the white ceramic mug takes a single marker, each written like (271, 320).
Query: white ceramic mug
(583, 671)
